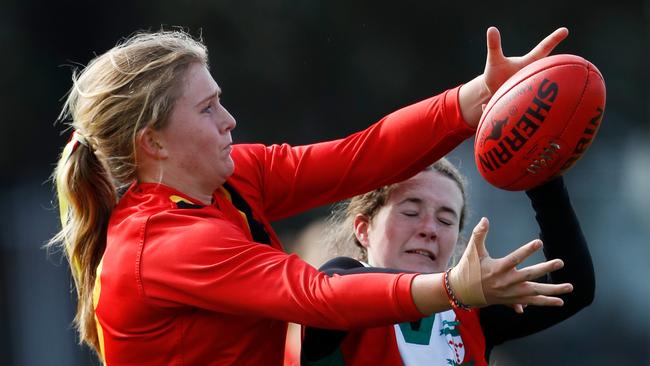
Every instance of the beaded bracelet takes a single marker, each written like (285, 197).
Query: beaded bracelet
(453, 300)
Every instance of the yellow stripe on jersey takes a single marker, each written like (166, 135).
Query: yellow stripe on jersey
(243, 215)
(176, 199)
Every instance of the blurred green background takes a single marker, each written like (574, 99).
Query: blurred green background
(306, 71)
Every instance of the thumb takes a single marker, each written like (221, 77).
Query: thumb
(466, 277)
(478, 238)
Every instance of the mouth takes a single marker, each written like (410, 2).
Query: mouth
(423, 252)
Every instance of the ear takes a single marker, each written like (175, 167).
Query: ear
(149, 144)
(361, 227)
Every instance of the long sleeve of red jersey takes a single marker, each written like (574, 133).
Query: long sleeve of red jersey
(215, 267)
(287, 180)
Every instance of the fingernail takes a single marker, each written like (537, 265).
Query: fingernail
(483, 223)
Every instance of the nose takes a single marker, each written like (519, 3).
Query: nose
(428, 228)
(229, 122)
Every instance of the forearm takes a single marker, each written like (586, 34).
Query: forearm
(563, 239)
(429, 293)
(427, 290)
(471, 98)
(292, 179)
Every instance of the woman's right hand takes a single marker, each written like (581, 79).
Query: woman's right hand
(499, 281)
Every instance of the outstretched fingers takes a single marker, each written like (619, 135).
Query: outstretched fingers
(544, 294)
(519, 255)
(540, 294)
(538, 270)
(541, 300)
(533, 289)
(547, 45)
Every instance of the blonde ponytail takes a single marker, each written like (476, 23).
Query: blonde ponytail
(86, 198)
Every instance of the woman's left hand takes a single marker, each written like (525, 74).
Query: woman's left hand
(498, 68)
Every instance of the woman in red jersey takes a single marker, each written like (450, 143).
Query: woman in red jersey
(415, 225)
(166, 222)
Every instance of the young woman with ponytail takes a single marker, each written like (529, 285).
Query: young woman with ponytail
(166, 222)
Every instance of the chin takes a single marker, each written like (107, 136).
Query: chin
(229, 168)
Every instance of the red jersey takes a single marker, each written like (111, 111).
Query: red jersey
(182, 283)
(452, 337)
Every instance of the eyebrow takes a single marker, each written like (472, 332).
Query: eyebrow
(419, 201)
(211, 96)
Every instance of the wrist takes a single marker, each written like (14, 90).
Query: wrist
(465, 280)
(454, 301)
(428, 293)
(471, 98)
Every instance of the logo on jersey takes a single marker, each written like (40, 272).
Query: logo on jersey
(449, 329)
(434, 340)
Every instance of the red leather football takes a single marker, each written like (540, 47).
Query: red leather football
(539, 122)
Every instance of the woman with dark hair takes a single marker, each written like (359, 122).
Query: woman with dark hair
(415, 225)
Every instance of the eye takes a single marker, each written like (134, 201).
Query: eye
(445, 221)
(410, 213)
(207, 109)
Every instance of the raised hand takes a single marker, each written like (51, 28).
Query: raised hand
(474, 94)
(499, 281)
(498, 68)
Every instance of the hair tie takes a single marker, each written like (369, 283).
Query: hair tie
(75, 140)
